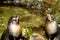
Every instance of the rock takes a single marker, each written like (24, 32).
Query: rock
(34, 4)
(36, 36)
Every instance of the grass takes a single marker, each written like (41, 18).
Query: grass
(27, 19)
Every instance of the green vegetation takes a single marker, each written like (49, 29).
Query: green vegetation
(29, 18)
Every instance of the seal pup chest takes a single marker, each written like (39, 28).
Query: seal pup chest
(51, 27)
(15, 30)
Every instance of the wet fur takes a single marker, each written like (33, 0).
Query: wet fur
(51, 28)
(12, 29)
(15, 30)
(7, 36)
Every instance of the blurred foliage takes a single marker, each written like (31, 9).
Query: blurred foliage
(30, 18)
(26, 19)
